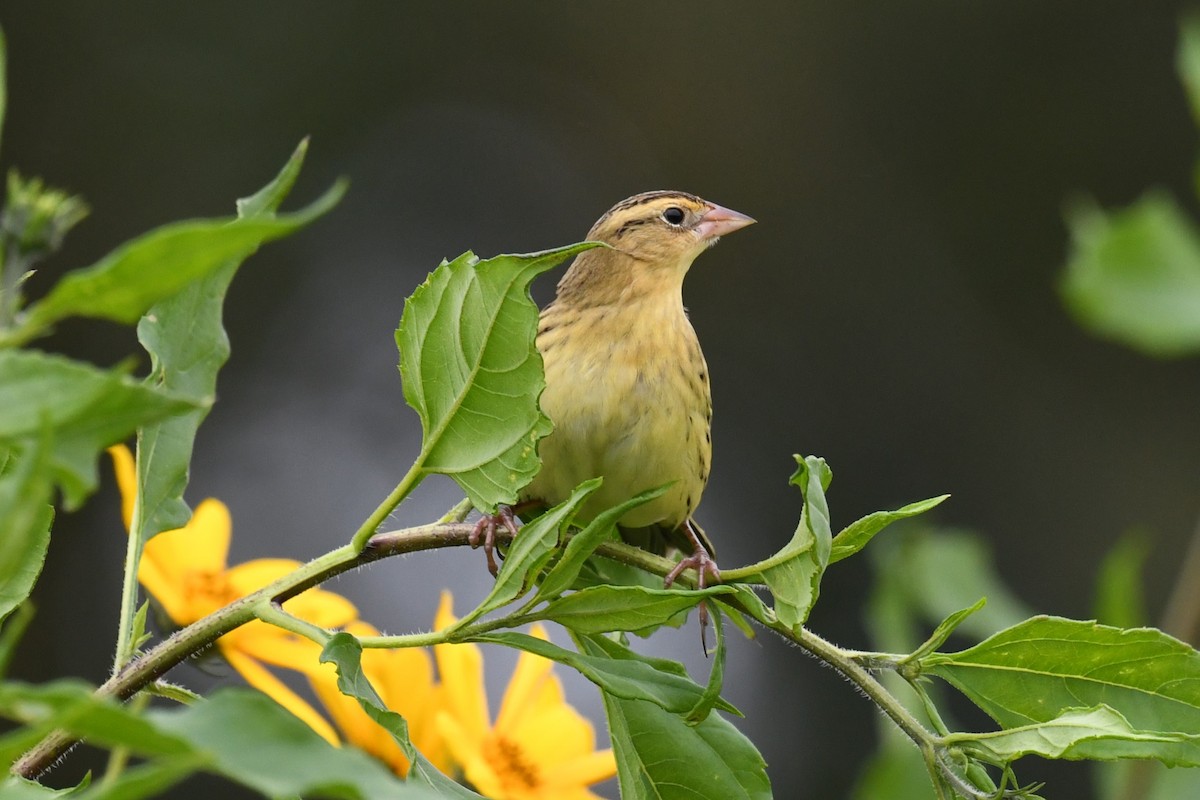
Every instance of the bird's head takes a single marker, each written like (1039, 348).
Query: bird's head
(652, 239)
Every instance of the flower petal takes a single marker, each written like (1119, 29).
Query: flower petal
(526, 686)
(469, 755)
(356, 727)
(555, 736)
(167, 591)
(200, 546)
(583, 770)
(250, 576)
(258, 677)
(461, 669)
(123, 466)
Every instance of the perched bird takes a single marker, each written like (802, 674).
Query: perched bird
(627, 386)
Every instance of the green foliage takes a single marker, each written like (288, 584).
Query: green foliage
(619, 672)
(1134, 276)
(238, 734)
(663, 757)
(1057, 688)
(345, 653)
(123, 285)
(25, 488)
(1119, 597)
(472, 373)
(633, 609)
(185, 337)
(1044, 666)
(86, 408)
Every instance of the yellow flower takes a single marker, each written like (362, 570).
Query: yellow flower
(403, 679)
(185, 570)
(540, 748)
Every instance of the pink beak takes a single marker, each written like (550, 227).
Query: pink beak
(718, 221)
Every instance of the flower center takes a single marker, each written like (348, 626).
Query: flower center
(206, 591)
(510, 765)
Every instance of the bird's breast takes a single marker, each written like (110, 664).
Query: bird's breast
(627, 390)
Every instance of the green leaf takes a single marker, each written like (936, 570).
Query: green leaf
(661, 757)
(1187, 62)
(630, 678)
(1119, 598)
(249, 738)
(1039, 669)
(15, 788)
(716, 676)
(794, 573)
(599, 609)
(187, 343)
(1097, 733)
(70, 705)
(14, 628)
(944, 629)
(25, 518)
(345, 653)
(3, 81)
(87, 408)
(124, 284)
(152, 779)
(530, 551)
(602, 528)
(1134, 276)
(471, 371)
(855, 536)
(240, 734)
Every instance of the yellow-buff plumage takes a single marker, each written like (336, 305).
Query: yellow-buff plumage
(627, 386)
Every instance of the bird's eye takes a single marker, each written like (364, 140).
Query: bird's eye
(674, 215)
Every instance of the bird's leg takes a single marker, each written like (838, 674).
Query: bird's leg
(484, 532)
(706, 567)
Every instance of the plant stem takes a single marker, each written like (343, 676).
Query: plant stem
(182, 644)
(129, 581)
(153, 664)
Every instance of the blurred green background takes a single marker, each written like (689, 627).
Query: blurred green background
(895, 310)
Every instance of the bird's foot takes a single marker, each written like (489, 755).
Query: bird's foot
(484, 533)
(707, 572)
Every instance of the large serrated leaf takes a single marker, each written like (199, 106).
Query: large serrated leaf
(186, 340)
(1044, 666)
(471, 371)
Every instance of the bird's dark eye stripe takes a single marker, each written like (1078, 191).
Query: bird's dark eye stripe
(674, 215)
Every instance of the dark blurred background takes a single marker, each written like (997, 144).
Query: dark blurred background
(895, 310)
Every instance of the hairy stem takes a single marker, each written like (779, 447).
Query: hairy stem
(153, 664)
